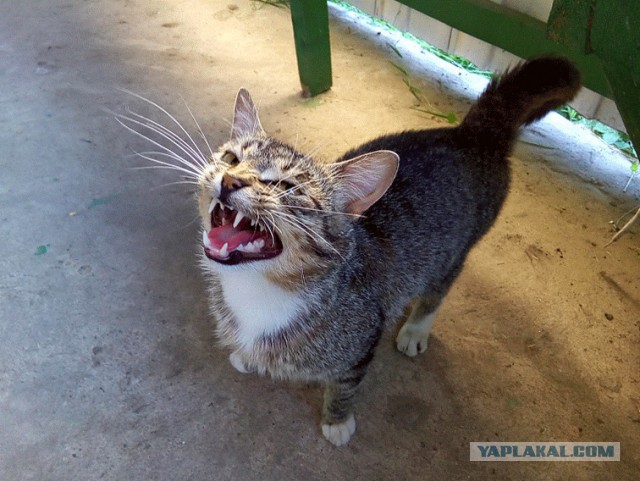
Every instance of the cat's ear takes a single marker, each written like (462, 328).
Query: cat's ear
(245, 116)
(363, 180)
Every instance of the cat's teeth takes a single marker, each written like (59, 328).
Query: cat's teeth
(223, 251)
(205, 240)
(253, 223)
(260, 227)
(212, 205)
(249, 247)
(259, 244)
(239, 217)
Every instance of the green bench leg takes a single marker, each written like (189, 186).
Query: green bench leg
(310, 20)
(626, 93)
(616, 41)
(606, 30)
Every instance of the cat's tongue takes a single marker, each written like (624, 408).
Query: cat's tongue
(226, 234)
(245, 242)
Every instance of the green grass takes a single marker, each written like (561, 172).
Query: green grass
(610, 135)
(424, 105)
(420, 96)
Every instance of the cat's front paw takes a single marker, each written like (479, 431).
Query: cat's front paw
(236, 361)
(339, 434)
(412, 340)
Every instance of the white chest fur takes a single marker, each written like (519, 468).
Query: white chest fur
(259, 306)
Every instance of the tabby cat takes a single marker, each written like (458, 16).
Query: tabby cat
(310, 262)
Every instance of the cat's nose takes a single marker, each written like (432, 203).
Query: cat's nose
(230, 184)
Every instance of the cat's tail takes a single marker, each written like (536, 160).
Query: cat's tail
(521, 96)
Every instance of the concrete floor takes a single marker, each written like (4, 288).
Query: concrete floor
(108, 366)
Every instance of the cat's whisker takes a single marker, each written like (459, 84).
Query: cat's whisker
(164, 111)
(295, 144)
(227, 121)
(193, 151)
(204, 137)
(159, 167)
(327, 212)
(166, 165)
(268, 226)
(195, 218)
(271, 189)
(168, 135)
(175, 156)
(291, 160)
(172, 159)
(170, 184)
(197, 168)
(279, 195)
(296, 222)
(311, 153)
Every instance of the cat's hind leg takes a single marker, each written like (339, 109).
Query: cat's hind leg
(413, 337)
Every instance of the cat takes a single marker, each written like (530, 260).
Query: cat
(309, 262)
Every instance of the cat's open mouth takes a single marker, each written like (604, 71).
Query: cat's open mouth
(234, 238)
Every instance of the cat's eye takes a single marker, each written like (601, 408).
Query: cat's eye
(287, 185)
(230, 158)
(283, 184)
